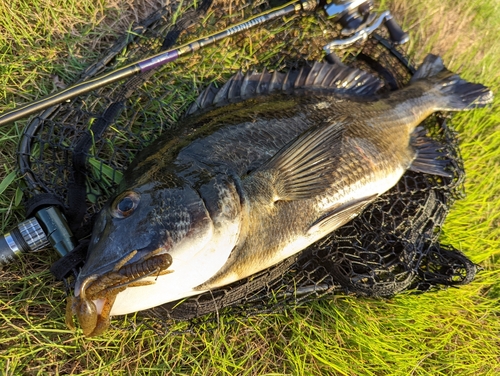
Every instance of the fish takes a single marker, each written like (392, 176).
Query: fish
(257, 171)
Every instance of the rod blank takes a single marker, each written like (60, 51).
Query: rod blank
(151, 62)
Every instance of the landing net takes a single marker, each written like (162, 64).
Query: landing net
(393, 246)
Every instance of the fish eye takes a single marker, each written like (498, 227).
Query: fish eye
(125, 204)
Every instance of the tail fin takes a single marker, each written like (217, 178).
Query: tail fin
(459, 94)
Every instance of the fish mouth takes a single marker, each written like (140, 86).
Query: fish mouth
(134, 261)
(131, 269)
(95, 295)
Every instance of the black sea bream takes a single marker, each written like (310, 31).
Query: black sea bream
(266, 166)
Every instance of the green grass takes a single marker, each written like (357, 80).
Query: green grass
(450, 332)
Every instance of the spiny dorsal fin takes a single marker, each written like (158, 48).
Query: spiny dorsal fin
(330, 78)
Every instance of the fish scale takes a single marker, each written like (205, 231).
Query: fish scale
(260, 170)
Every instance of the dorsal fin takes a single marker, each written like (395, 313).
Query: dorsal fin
(330, 78)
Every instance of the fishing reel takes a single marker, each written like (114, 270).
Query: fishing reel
(358, 22)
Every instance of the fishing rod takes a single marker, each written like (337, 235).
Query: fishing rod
(353, 15)
(154, 61)
(48, 226)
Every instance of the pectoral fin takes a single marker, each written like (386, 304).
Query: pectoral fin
(340, 215)
(305, 167)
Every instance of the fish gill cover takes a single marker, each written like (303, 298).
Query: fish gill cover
(391, 247)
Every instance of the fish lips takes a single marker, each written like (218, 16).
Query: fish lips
(108, 247)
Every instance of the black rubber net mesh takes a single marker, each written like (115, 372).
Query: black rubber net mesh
(391, 247)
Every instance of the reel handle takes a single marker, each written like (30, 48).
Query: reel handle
(397, 34)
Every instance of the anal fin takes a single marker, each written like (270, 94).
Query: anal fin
(429, 157)
(340, 215)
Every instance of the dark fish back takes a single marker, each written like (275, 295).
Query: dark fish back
(250, 118)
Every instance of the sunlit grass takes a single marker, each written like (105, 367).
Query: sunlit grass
(450, 332)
